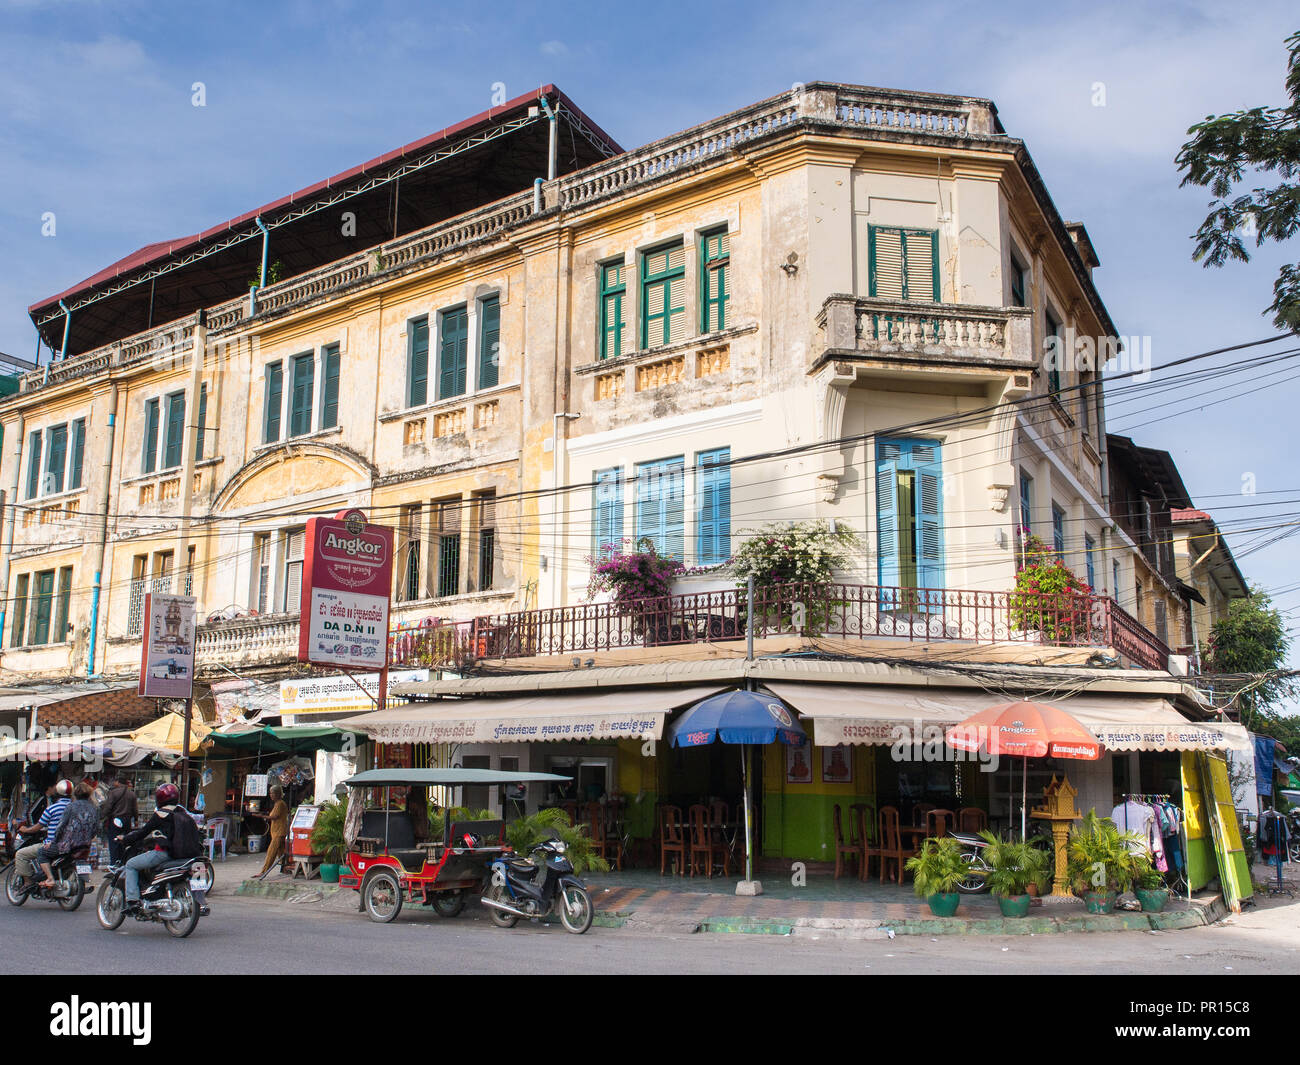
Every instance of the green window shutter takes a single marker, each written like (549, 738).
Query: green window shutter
(1052, 353)
(452, 353)
(922, 259)
(273, 401)
(60, 633)
(417, 373)
(300, 399)
(34, 464)
(329, 404)
(904, 263)
(715, 258)
(661, 505)
(1026, 500)
(19, 630)
(713, 506)
(607, 508)
(613, 293)
(42, 607)
(885, 252)
(151, 419)
(1018, 298)
(78, 452)
(56, 458)
(663, 296)
(201, 428)
(489, 342)
(175, 430)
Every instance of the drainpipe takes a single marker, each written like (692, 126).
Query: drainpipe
(10, 513)
(261, 277)
(105, 483)
(553, 145)
(67, 328)
(537, 196)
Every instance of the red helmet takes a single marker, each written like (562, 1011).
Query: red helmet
(167, 794)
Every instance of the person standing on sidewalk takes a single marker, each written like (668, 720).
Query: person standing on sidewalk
(278, 827)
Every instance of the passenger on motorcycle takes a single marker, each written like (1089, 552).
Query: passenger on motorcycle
(58, 794)
(79, 826)
(176, 836)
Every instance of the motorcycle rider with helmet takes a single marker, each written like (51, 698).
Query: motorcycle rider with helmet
(166, 821)
(59, 794)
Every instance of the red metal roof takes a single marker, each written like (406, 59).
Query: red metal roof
(1187, 514)
(161, 250)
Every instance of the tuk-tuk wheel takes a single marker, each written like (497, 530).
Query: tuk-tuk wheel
(448, 903)
(382, 896)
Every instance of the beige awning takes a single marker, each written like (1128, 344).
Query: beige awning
(882, 716)
(631, 714)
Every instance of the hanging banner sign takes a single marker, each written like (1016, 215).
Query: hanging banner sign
(167, 647)
(346, 581)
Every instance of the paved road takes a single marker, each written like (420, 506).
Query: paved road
(262, 936)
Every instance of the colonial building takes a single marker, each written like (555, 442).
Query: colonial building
(1204, 563)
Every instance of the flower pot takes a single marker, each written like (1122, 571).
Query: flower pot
(329, 872)
(1033, 890)
(1099, 901)
(1014, 905)
(944, 905)
(1153, 899)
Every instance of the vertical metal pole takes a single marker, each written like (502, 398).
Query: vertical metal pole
(185, 763)
(749, 849)
(749, 619)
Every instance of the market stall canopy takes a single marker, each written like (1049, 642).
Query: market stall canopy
(167, 734)
(444, 778)
(634, 713)
(881, 716)
(34, 696)
(273, 739)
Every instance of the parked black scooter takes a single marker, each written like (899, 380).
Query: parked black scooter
(173, 893)
(71, 873)
(536, 887)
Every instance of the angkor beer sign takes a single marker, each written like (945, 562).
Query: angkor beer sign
(347, 575)
(167, 654)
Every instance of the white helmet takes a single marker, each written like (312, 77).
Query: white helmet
(63, 789)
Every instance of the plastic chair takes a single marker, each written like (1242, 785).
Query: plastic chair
(214, 833)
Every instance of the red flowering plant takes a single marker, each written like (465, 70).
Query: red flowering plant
(1049, 597)
(633, 576)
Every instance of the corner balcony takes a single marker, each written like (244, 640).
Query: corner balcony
(945, 338)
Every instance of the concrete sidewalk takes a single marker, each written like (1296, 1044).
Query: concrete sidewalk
(642, 900)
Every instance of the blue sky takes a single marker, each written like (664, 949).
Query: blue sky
(98, 127)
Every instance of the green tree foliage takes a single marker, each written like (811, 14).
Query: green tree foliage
(1251, 639)
(1222, 151)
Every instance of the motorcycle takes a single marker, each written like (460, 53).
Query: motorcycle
(71, 873)
(972, 853)
(174, 893)
(537, 886)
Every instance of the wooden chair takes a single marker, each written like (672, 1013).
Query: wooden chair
(705, 842)
(919, 811)
(864, 818)
(892, 848)
(972, 819)
(939, 822)
(851, 848)
(671, 839)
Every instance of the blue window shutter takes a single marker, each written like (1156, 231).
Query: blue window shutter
(929, 525)
(489, 342)
(151, 419)
(713, 519)
(452, 354)
(34, 464)
(674, 497)
(1026, 500)
(661, 505)
(417, 376)
(202, 423)
(887, 560)
(607, 504)
(1058, 529)
(1090, 547)
(329, 406)
(78, 452)
(271, 406)
(649, 510)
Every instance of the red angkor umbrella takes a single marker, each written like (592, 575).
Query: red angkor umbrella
(1025, 730)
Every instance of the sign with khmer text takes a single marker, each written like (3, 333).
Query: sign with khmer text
(347, 576)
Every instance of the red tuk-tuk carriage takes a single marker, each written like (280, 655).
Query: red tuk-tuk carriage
(386, 862)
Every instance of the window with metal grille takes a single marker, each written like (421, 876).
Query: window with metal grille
(613, 296)
(303, 387)
(715, 291)
(409, 586)
(135, 600)
(162, 573)
(273, 401)
(489, 342)
(417, 362)
(449, 548)
(453, 352)
(485, 517)
(18, 633)
(663, 295)
(329, 389)
(295, 541)
(187, 578)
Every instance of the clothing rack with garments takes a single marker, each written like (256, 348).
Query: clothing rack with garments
(1273, 835)
(1158, 820)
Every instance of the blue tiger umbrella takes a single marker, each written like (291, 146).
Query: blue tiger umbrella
(742, 717)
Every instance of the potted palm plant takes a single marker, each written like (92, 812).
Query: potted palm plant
(524, 833)
(1015, 867)
(1149, 886)
(1102, 862)
(327, 838)
(936, 872)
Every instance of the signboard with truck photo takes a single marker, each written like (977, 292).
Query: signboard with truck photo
(167, 651)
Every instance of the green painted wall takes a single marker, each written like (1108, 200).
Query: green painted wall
(798, 817)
